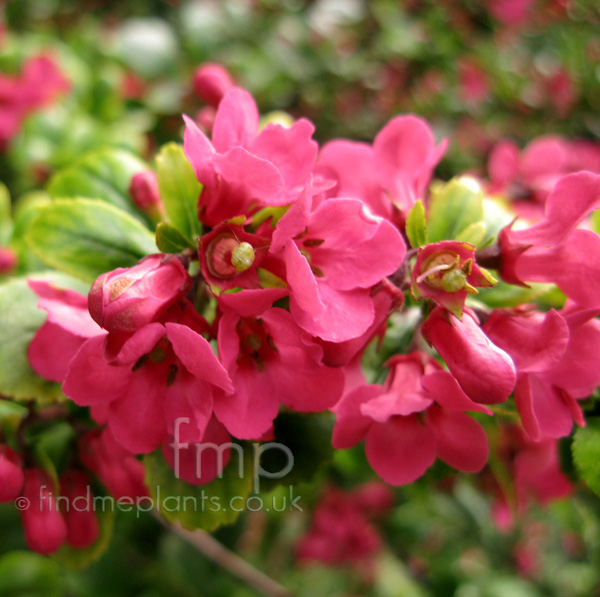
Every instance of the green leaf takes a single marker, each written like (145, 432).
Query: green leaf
(179, 190)
(19, 321)
(201, 506)
(5, 215)
(27, 574)
(415, 225)
(586, 453)
(506, 295)
(76, 559)
(170, 240)
(454, 207)
(473, 233)
(102, 174)
(86, 238)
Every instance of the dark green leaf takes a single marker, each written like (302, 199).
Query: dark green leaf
(170, 240)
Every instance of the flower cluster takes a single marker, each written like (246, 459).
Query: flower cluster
(301, 262)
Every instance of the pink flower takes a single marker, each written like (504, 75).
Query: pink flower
(556, 363)
(271, 361)
(126, 299)
(331, 267)
(11, 474)
(211, 83)
(419, 405)
(164, 370)
(446, 272)
(555, 250)
(340, 533)
(391, 175)
(244, 169)
(510, 12)
(474, 87)
(484, 371)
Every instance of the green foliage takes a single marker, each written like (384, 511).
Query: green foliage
(170, 240)
(26, 574)
(5, 215)
(86, 237)
(415, 225)
(456, 211)
(179, 190)
(586, 453)
(201, 506)
(103, 174)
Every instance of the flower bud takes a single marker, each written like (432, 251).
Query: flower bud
(211, 83)
(45, 528)
(126, 299)
(8, 260)
(144, 191)
(11, 474)
(79, 515)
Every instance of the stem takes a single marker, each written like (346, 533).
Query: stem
(216, 551)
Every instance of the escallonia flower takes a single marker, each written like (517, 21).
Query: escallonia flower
(446, 272)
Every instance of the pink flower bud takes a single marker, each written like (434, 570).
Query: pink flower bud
(211, 83)
(485, 372)
(11, 474)
(126, 299)
(81, 520)
(8, 260)
(144, 190)
(45, 528)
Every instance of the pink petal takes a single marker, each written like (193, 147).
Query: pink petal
(444, 389)
(382, 408)
(503, 163)
(359, 249)
(199, 151)
(256, 179)
(534, 342)
(51, 351)
(90, 380)
(251, 303)
(305, 293)
(196, 354)
(236, 122)
(293, 222)
(544, 413)
(347, 314)
(574, 197)
(137, 345)
(401, 450)
(351, 424)
(460, 441)
(291, 150)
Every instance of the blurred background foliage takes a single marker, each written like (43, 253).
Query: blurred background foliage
(478, 75)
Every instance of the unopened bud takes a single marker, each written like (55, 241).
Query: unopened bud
(8, 260)
(11, 474)
(211, 83)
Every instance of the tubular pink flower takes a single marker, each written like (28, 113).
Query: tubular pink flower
(243, 169)
(391, 421)
(484, 371)
(271, 361)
